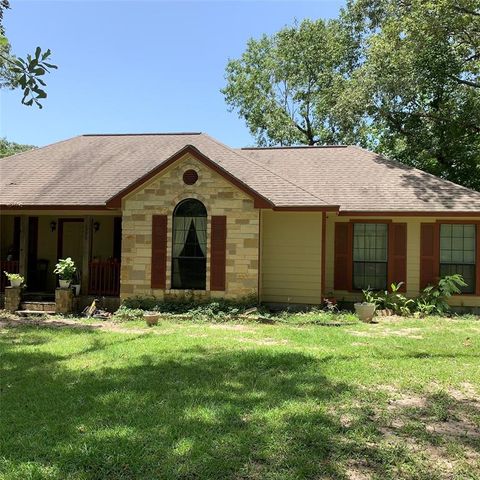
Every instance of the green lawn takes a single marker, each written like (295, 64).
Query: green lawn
(186, 400)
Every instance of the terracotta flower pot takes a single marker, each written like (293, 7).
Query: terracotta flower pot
(151, 318)
(365, 311)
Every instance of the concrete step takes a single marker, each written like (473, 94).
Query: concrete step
(26, 313)
(38, 306)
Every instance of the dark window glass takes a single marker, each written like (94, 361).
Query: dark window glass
(457, 253)
(370, 255)
(189, 245)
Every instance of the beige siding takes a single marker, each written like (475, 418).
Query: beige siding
(413, 256)
(291, 257)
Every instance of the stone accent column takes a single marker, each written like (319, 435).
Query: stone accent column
(63, 300)
(13, 297)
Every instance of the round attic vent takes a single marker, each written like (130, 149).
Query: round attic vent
(190, 177)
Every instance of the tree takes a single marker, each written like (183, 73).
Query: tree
(419, 82)
(401, 77)
(285, 86)
(11, 148)
(16, 72)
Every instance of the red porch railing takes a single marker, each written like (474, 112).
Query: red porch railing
(104, 278)
(10, 266)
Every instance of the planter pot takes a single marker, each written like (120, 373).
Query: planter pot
(64, 283)
(365, 311)
(16, 283)
(76, 289)
(151, 318)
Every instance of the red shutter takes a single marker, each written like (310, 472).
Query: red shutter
(397, 254)
(159, 251)
(429, 253)
(218, 252)
(343, 256)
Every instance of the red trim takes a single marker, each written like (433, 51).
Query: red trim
(324, 235)
(358, 213)
(307, 208)
(462, 222)
(52, 207)
(61, 221)
(379, 221)
(260, 201)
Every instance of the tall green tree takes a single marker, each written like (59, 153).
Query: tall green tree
(286, 85)
(26, 74)
(419, 82)
(399, 76)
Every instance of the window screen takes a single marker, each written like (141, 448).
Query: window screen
(370, 256)
(457, 253)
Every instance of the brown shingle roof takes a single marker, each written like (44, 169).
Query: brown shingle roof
(91, 169)
(360, 180)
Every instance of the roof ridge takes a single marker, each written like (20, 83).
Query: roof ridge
(293, 147)
(276, 174)
(138, 134)
(398, 163)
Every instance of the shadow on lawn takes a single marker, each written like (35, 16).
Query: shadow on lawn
(190, 414)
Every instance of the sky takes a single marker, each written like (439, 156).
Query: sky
(138, 66)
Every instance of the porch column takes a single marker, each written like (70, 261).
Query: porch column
(23, 250)
(87, 253)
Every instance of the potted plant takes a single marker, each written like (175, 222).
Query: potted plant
(15, 279)
(65, 269)
(366, 309)
(151, 318)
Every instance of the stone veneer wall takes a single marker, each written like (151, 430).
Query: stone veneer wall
(160, 196)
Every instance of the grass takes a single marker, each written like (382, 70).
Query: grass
(197, 400)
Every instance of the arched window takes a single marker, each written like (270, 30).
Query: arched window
(189, 245)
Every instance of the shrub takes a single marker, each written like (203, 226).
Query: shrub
(432, 300)
(125, 314)
(14, 276)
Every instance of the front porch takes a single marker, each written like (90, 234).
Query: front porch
(31, 244)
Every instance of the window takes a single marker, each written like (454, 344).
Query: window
(189, 245)
(370, 255)
(457, 253)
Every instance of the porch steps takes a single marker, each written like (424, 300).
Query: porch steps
(36, 308)
(27, 313)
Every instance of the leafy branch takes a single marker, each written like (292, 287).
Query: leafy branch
(28, 72)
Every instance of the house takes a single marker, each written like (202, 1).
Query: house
(165, 214)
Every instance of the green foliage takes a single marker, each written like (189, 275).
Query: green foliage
(432, 300)
(401, 78)
(14, 276)
(65, 268)
(194, 308)
(419, 82)
(26, 74)
(126, 314)
(11, 148)
(286, 86)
